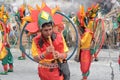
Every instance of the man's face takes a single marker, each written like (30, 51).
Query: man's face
(47, 31)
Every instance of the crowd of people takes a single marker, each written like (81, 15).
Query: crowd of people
(49, 48)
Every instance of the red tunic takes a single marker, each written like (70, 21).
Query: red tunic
(85, 55)
(41, 44)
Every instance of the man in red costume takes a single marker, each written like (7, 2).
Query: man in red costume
(85, 55)
(47, 47)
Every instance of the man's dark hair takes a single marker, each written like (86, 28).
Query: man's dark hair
(47, 24)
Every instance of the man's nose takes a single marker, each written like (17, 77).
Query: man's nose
(49, 32)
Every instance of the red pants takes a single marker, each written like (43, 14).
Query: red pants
(85, 60)
(46, 74)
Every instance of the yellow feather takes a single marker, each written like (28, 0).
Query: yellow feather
(27, 18)
(57, 8)
(30, 8)
(43, 4)
(2, 8)
(38, 7)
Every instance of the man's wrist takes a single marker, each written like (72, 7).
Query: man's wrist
(42, 56)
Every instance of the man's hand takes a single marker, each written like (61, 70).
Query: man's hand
(56, 55)
(49, 49)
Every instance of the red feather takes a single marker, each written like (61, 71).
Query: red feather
(57, 19)
(34, 15)
(32, 27)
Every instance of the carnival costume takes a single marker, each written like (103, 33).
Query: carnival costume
(85, 23)
(8, 59)
(48, 68)
(39, 44)
(84, 54)
(91, 16)
(19, 15)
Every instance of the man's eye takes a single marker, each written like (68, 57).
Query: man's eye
(50, 29)
(46, 30)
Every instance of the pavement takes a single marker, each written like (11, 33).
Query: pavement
(106, 68)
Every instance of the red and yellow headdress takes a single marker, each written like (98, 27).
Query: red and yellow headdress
(81, 15)
(36, 13)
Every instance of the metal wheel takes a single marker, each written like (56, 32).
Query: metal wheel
(69, 27)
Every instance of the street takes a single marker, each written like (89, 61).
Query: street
(106, 68)
(101, 70)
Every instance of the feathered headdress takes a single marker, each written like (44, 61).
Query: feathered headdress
(34, 13)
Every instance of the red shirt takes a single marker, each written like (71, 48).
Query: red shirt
(57, 42)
